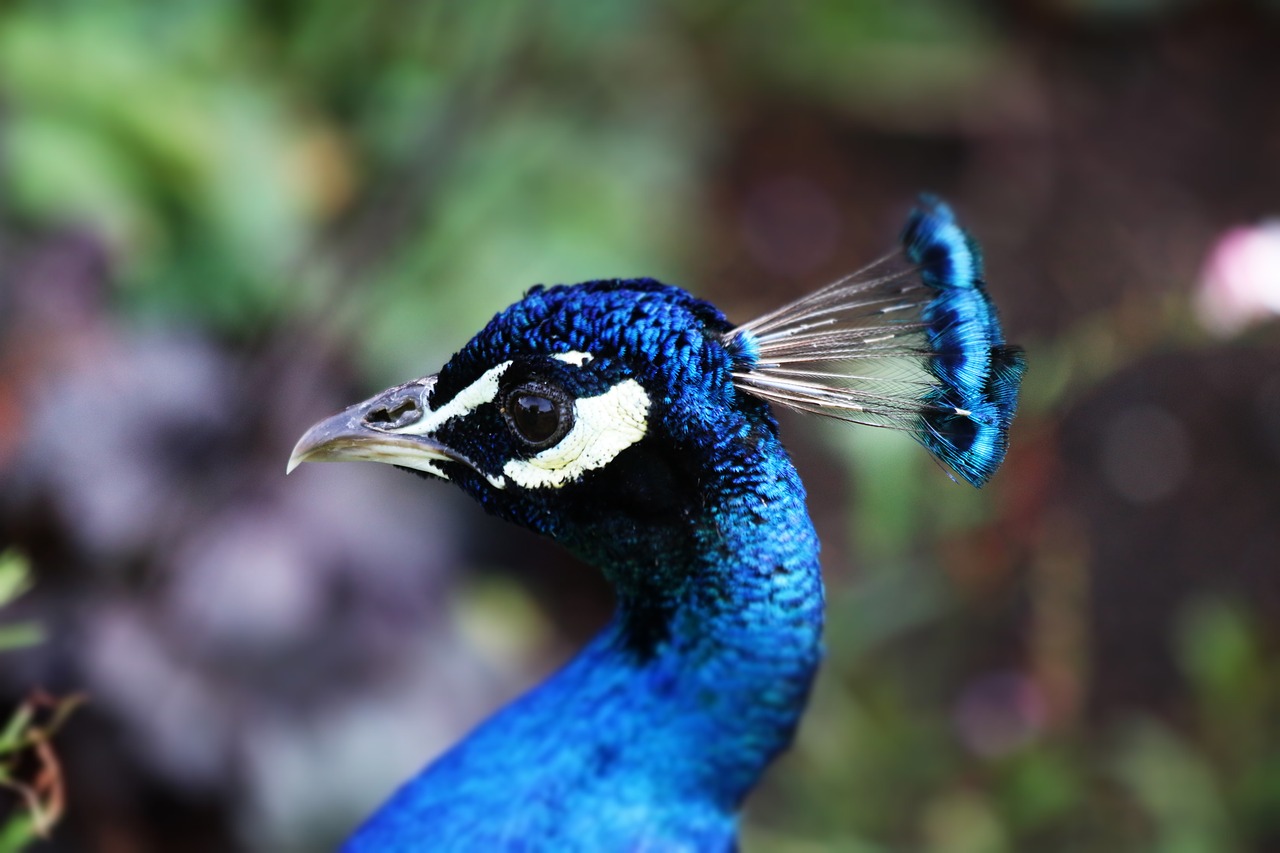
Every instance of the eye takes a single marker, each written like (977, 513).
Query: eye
(540, 415)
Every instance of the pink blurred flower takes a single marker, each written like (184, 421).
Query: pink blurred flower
(1240, 283)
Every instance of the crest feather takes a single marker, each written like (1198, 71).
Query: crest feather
(910, 342)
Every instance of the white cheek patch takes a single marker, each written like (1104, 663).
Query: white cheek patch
(483, 390)
(577, 359)
(603, 427)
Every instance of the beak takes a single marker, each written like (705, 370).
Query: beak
(368, 432)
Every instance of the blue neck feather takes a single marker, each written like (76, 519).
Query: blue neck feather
(652, 733)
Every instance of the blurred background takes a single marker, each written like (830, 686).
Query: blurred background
(221, 221)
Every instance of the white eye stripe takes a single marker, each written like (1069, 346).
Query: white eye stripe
(577, 359)
(483, 390)
(604, 426)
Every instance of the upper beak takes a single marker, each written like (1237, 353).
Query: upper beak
(366, 431)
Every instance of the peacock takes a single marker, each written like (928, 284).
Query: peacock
(631, 422)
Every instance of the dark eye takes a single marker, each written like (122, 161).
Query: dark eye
(539, 415)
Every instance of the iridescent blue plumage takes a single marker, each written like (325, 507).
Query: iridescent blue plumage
(631, 422)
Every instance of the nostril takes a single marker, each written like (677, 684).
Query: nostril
(391, 417)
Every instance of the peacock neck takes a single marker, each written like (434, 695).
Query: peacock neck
(652, 735)
(700, 680)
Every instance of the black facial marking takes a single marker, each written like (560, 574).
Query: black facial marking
(640, 503)
(644, 482)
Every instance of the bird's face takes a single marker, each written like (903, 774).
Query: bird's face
(596, 413)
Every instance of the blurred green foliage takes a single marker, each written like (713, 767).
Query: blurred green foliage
(240, 158)
(15, 580)
(430, 160)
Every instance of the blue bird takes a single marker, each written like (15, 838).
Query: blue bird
(631, 422)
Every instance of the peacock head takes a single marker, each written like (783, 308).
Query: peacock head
(602, 414)
(623, 417)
